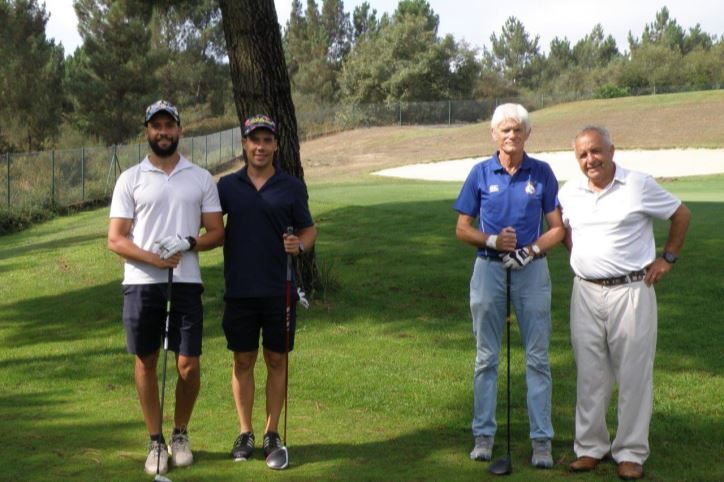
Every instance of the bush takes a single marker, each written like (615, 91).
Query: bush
(609, 91)
(13, 220)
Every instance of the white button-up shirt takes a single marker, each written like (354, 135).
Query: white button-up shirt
(612, 230)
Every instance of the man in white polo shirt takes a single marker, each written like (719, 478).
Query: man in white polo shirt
(157, 210)
(609, 219)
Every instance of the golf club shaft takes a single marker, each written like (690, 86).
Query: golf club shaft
(507, 344)
(165, 357)
(288, 319)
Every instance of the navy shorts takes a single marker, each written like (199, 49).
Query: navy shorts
(245, 318)
(144, 317)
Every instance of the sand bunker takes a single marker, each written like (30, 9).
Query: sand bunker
(659, 163)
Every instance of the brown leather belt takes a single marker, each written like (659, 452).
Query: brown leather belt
(619, 280)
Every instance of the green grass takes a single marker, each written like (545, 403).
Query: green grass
(380, 382)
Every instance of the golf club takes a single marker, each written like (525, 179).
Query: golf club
(279, 459)
(504, 466)
(159, 477)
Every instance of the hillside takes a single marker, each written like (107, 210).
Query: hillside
(691, 119)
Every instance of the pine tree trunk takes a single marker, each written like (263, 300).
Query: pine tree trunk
(261, 86)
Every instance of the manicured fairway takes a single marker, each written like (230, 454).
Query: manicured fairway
(380, 382)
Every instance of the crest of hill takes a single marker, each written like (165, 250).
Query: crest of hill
(667, 121)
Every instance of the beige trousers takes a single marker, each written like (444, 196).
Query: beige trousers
(613, 332)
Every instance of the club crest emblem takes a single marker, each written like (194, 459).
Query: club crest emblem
(530, 188)
(494, 188)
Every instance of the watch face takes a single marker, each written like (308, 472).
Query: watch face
(669, 257)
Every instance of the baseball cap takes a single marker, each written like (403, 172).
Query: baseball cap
(162, 106)
(259, 121)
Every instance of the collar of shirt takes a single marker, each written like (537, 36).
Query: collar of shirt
(526, 165)
(243, 176)
(182, 164)
(619, 176)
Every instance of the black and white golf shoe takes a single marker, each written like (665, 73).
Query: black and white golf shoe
(243, 447)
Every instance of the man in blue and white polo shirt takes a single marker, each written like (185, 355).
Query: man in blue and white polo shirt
(511, 194)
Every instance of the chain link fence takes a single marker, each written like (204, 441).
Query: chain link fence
(62, 178)
(68, 177)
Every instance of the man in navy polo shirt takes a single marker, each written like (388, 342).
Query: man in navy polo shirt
(260, 201)
(511, 193)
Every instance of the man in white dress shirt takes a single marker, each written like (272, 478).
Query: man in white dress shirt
(609, 219)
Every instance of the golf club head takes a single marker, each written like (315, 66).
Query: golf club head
(161, 478)
(278, 460)
(501, 467)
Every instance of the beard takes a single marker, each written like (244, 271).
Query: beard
(161, 151)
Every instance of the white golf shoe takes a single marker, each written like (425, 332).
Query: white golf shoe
(181, 455)
(483, 448)
(542, 453)
(152, 460)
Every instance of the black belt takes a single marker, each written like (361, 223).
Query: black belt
(619, 280)
(500, 259)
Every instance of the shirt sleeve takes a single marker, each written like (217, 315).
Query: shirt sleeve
(657, 201)
(122, 204)
(301, 217)
(210, 202)
(468, 201)
(550, 194)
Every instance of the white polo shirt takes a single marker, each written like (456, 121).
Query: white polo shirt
(163, 205)
(612, 231)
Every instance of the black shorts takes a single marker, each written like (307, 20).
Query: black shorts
(245, 318)
(144, 317)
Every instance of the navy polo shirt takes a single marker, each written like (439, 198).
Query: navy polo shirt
(500, 200)
(254, 258)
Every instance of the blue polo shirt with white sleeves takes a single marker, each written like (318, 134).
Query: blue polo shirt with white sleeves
(500, 200)
(254, 257)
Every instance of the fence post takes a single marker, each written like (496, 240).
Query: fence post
(52, 183)
(82, 173)
(7, 160)
(449, 112)
(400, 107)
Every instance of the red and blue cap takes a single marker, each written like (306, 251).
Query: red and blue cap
(258, 121)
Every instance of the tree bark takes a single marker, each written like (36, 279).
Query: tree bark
(261, 86)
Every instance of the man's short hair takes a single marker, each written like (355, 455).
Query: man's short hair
(600, 130)
(514, 112)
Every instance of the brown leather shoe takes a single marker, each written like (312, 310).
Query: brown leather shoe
(584, 464)
(630, 471)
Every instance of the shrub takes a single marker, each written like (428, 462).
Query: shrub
(609, 91)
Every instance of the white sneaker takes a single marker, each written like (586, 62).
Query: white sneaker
(483, 448)
(542, 456)
(153, 460)
(181, 455)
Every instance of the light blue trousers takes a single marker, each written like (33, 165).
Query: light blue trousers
(530, 294)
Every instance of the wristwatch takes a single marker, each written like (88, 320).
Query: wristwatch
(669, 257)
(192, 242)
(536, 249)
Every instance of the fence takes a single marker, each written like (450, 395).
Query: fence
(73, 176)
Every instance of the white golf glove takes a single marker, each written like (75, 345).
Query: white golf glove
(517, 259)
(171, 245)
(302, 298)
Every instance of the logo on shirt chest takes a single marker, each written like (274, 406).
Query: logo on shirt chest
(494, 188)
(530, 188)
